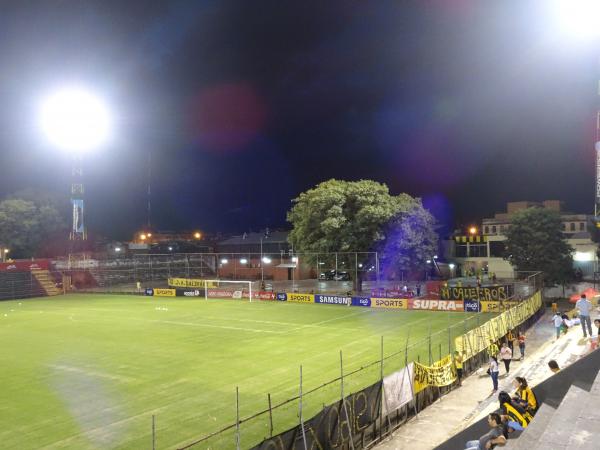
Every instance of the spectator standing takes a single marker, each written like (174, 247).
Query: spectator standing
(597, 323)
(584, 306)
(558, 322)
(493, 349)
(522, 344)
(510, 339)
(458, 363)
(418, 288)
(493, 371)
(492, 438)
(506, 356)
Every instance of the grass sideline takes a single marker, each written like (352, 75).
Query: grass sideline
(89, 371)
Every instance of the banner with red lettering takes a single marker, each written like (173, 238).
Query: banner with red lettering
(25, 266)
(238, 293)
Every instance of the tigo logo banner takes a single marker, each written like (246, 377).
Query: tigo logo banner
(361, 301)
(471, 306)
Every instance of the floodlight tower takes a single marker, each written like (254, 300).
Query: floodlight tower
(77, 122)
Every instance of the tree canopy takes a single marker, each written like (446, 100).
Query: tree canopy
(535, 242)
(343, 216)
(24, 224)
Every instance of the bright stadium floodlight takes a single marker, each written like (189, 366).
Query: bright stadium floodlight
(224, 261)
(576, 19)
(75, 120)
(243, 261)
(266, 260)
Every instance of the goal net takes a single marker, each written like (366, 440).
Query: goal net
(228, 288)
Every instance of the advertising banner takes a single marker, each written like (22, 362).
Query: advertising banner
(334, 426)
(25, 266)
(149, 291)
(394, 303)
(397, 389)
(471, 305)
(441, 373)
(164, 292)
(496, 306)
(436, 305)
(361, 301)
(189, 292)
(300, 298)
(281, 296)
(500, 292)
(333, 300)
(188, 282)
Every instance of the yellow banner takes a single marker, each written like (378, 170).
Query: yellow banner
(396, 303)
(189, 282)
(497, 306)
(164, 292)
(478, 339)
(300, 298)
(441, 373)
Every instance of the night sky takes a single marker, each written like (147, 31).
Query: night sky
(245, 104)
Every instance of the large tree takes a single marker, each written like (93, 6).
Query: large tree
(360, 216)
(535, 242)
(25, 225)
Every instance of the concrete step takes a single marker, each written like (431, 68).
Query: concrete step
(534, 431)
(558, 429)
(585, 434)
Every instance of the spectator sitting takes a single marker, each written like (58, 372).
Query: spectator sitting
(524, 396)
(511, 411)
(553, 365)
(492, 438)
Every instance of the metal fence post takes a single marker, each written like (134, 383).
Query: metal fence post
(270, 416)
(153, 432)
(237, 418)
(300, 412)
(344, 406)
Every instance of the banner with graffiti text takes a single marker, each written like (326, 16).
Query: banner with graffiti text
(441, 373)
(487, 293)
(334, 426)
(478, 339)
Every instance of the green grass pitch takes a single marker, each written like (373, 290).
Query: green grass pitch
(89, 371)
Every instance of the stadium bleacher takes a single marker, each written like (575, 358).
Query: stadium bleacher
(567, 418)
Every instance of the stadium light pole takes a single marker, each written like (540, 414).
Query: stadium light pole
(77, 122)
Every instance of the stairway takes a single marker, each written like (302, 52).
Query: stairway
(571, 426)
(46, 282)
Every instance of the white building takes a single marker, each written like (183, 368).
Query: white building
(485, 249)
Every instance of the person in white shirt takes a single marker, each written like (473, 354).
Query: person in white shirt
(493, 371)
(506, 355)
(584, 306)
(558, 321)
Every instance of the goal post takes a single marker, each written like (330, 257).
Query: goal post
(235, 285)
